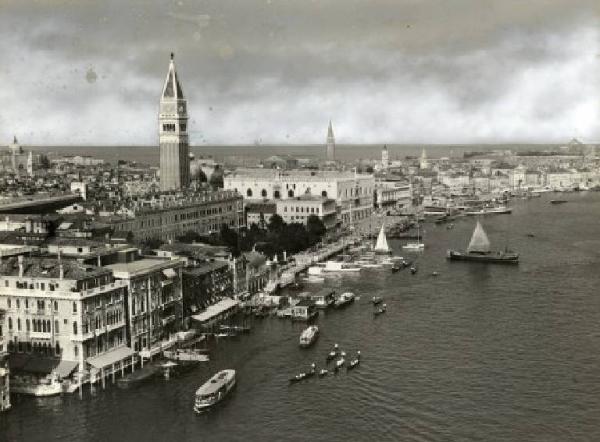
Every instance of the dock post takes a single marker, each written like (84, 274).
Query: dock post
(103, 374)
(123, 368)
(113, 373)
(132, 363)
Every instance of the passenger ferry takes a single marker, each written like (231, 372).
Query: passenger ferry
(214, 390)
(309, 336)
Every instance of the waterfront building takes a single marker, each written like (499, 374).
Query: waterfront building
(391, 193)
(298, 209)
(62, 317)
(260, 212)
(173, 134)
(353, 193)
(205, 283)
(4, 369)
(169, 218)
(330, 143)
(154, 301)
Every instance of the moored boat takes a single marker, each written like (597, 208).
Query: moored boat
(344, 299)
(377, 300)
(309, 336)
(352, 364)
(479, 250)
(214, 390)
(558, 201)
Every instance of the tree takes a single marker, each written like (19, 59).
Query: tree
(229, 238)
(276, 223)
(315, 226)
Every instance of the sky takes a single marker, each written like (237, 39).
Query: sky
(276, 71)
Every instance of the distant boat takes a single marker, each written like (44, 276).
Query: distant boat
(415, 246)
(479, 250)
(558, 201)
(498, 210)
(381, 246)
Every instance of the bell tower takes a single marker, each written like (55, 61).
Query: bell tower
(173, 135)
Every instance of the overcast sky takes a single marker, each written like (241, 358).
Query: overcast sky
(403, 71)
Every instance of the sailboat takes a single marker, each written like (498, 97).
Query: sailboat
(415, 246)
(479, 249)
(381, 246)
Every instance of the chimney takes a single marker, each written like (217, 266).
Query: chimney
(61, 271)
(20, 259)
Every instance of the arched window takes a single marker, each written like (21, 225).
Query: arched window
(56, 327)
(44, 326)
(10, 323)
(263, 193)
(324, 194)
(249, 193)
(48, 326)
(74, 307)
(27, 325)
(291, 193)
(74, 328)
(276, 194)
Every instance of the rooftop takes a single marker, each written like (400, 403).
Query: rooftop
(141, 265)
(49, 267)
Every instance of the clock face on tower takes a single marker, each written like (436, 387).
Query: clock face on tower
(181, 108)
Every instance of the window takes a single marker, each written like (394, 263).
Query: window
(276, 194)
(76, 351)
(263, 193)
(291, 193)
(19, 324)
(55, 306)
(27, 325)
(74, 327)
(74, 307)
(56, 329)
(10, 323)
(26, 303)
(182, 127)
(324, 194)
(18, 303)
(8, 302)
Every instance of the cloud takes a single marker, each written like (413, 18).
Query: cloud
(409, 71)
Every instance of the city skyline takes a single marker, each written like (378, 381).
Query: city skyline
(399, 73)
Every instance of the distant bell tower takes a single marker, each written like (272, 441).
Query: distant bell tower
(173, 135)
(385, 158)
(330, 143)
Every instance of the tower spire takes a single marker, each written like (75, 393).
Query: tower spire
(330, 143)
(173, 135)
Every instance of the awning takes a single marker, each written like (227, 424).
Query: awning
(110, 357)
(216, 309)
(170, 273)
(65, 368)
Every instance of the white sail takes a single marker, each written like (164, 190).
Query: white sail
(381, 246)
(479, 241)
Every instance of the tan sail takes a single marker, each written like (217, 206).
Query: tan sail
(479, 241)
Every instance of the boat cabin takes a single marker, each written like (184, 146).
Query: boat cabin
(322, 299)
(304, 310)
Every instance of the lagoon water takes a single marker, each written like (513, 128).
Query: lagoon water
(478, 353)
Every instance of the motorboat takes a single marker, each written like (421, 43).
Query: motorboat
(339, 364)
(558, 201)
(344, 299)
(413, 270)
(396, 267)
(309, 336)
(323, 372)
(312, 279)
(214, 390)
(377, 300)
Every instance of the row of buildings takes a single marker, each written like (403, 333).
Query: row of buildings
(74, 310)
